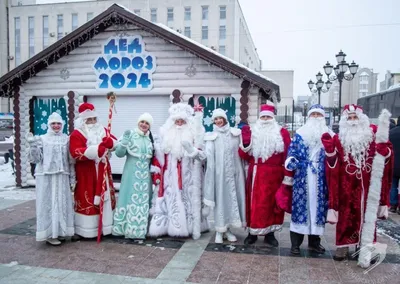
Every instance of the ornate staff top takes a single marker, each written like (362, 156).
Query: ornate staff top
(112, 97)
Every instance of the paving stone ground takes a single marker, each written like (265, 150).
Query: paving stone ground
(164, 260)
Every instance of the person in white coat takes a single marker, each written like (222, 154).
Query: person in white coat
(224, 183)
(55, 177)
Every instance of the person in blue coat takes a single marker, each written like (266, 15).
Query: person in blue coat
(131, 216)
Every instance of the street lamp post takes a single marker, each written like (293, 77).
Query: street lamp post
(341, 72)
(319, 86)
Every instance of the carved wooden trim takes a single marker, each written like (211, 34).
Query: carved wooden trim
(176, 94)
(85, 99)
(71, 111)
(17, 137)
(244, 102)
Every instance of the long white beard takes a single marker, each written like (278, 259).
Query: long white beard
(312, 131)
(172, 140)
(267, 139)
(95, 134)
(355, 137)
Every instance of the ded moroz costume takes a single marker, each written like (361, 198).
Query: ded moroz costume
(89, 146)
(264, 148)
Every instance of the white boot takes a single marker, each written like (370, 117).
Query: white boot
(53, 242)
(219, 238)
(231, 237)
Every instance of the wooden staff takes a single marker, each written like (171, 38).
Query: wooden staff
(111, 97)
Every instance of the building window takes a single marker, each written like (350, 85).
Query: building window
(74, 21)
(89, 16)
(204, 32)
(45, 31)
(188, 32)
(170, 14)
(31, 34)
(204, 12)
(153, 15)
(17, 27)
(222, 32)
(60, 26)
(222, 12)
(137, 12)
(222, 49)
(188, 13)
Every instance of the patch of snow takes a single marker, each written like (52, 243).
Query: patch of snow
(11, 264)
(131, 256)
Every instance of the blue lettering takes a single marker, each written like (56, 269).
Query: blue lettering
(132, 84)
(144, 80)
(101, 63)
(123, 44)
(149, 61)
(135, 46)
(117, 80)
(125, 63)
(114, 63)
(137, 62)
(111, 47)
(104, 84)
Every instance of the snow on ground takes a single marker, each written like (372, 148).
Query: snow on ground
(7, 185)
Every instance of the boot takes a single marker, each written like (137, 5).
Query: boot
(393, 209)
(341, 254)
(53, 242)
(314, 244)
(296, 240)
(270, 239)
(219, 238)
(75, 238)
(230, 237)
(250, 239)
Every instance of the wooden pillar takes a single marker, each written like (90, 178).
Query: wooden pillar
(17, 137)
(71, 111)
(32, 115)
(244, 102)
(176, 96)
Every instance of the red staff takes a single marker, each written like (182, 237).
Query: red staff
(111, 97)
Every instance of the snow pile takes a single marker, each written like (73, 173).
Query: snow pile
(7, 186)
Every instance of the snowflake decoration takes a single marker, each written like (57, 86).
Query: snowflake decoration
(233, 118)
(58, 111)
(191, 70)
(207, 120)
(64, 74)
(43, 126)
(44, 113)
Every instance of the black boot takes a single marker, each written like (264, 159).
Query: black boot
(296, 240)
(250, 239)
(270, 239)
(314, 244)
(393, 209)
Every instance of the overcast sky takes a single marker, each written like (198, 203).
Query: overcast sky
(301, 35)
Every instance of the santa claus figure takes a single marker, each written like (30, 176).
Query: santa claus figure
(265, 149)
(177, 208)
(352, 184)
(224, 186)
(90, 144)
(306, 161)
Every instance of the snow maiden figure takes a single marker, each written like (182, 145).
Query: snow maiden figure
(224, 185)
(55, 177)
(177, 204)
(131, 218)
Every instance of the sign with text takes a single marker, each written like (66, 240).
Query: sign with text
(124, 65)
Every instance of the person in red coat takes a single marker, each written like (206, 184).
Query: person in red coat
(349, 170)
(90, 144)
(264, 148)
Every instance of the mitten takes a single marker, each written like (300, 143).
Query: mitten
(188, 146)
(327, 141)
(246, 135)
(107, 143)
(382, 149)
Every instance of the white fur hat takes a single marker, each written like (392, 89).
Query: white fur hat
(181, 111)
(55, 117)
(219, 112)
(146, 117)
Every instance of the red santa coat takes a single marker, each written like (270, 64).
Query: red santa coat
(348, 191)
(90, 166)
(263, 181)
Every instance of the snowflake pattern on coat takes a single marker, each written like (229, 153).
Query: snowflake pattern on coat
(300, 152)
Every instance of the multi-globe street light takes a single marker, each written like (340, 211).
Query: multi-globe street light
(341, 72)
(319, 84)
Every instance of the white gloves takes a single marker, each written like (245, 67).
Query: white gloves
(188, 146)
